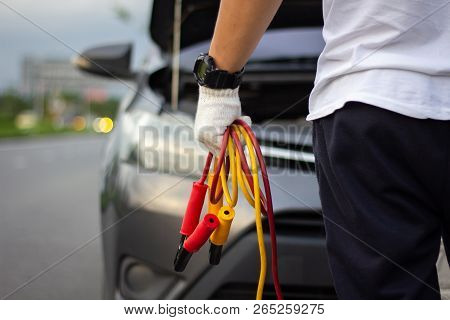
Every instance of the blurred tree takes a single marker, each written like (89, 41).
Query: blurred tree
(71, 97)
(12, 103)
(107, 108)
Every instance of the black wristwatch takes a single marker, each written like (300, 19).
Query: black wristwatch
(207, 75)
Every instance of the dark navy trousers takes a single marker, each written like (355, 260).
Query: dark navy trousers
(384, 182)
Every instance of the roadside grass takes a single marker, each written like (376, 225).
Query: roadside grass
(8, 129)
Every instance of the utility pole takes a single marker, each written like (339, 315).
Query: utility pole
(176, 53)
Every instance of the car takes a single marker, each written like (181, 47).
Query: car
(151, 160)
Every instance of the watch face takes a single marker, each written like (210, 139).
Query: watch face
(201, 70)
(202, 66)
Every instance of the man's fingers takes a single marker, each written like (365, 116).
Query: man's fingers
(214, 149)
(211, 136)
(212, 143)
(246, 119)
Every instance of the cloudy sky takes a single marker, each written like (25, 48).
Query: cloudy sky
(78, 23)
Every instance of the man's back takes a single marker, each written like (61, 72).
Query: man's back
(392, 54)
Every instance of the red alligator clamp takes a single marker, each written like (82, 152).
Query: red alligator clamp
(195, 241)
(194, 209)
(195, 205)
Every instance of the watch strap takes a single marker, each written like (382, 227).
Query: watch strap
(220, 79)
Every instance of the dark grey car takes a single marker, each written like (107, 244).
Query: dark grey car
(152, 160)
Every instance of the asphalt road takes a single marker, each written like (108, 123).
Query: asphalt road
(49, 208)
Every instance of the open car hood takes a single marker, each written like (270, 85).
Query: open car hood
(198, 19)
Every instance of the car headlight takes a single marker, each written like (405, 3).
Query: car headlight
(166, 144)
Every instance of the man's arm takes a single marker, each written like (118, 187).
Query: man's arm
(239, 27)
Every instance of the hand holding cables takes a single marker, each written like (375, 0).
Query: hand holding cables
(231, 160)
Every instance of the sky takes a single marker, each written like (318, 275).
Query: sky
(80, 24)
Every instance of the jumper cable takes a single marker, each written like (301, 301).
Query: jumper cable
(216, 224)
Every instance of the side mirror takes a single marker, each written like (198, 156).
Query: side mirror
(107, 61)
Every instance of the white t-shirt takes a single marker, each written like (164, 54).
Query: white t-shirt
(394, 54)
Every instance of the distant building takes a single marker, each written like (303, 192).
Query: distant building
(50, 76)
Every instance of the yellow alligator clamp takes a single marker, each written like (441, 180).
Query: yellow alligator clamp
(220, 235)
(214, 208)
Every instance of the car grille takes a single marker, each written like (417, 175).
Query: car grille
(292, 224)
(305, 223)
(291, 156)
(246, 291)
(296, 222)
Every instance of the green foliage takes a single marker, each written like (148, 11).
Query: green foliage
(11, 104)
(71, 97)
(105, 109)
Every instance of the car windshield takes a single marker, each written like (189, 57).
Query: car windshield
(276, 44)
